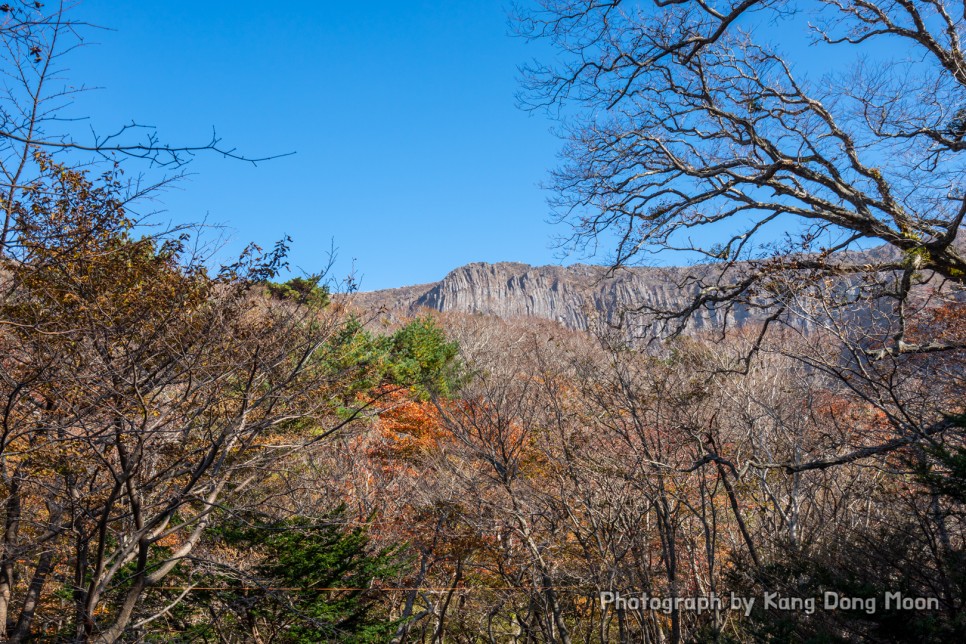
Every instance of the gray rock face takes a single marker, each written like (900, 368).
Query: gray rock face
(576, 296)
(582, 297)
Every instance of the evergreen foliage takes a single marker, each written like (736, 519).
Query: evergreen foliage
(316, 580)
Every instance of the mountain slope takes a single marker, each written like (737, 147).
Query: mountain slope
(575, 296)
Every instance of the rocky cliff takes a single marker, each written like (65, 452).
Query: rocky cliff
(575, 296)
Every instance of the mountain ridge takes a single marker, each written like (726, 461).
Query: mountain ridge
(574, 296)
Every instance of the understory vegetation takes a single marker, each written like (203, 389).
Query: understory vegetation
(193, 454)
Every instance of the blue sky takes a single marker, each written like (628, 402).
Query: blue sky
(411, 156)
(410, 152)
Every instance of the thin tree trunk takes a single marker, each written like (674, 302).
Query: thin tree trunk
(441, 623)
(7, 571)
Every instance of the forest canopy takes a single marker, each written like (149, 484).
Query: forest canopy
(194, 450)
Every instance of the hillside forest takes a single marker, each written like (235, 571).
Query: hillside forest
(195, 450)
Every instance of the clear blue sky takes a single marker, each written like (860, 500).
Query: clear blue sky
(410, 152)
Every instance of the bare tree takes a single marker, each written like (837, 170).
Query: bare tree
(828, 197)
(692, 127)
